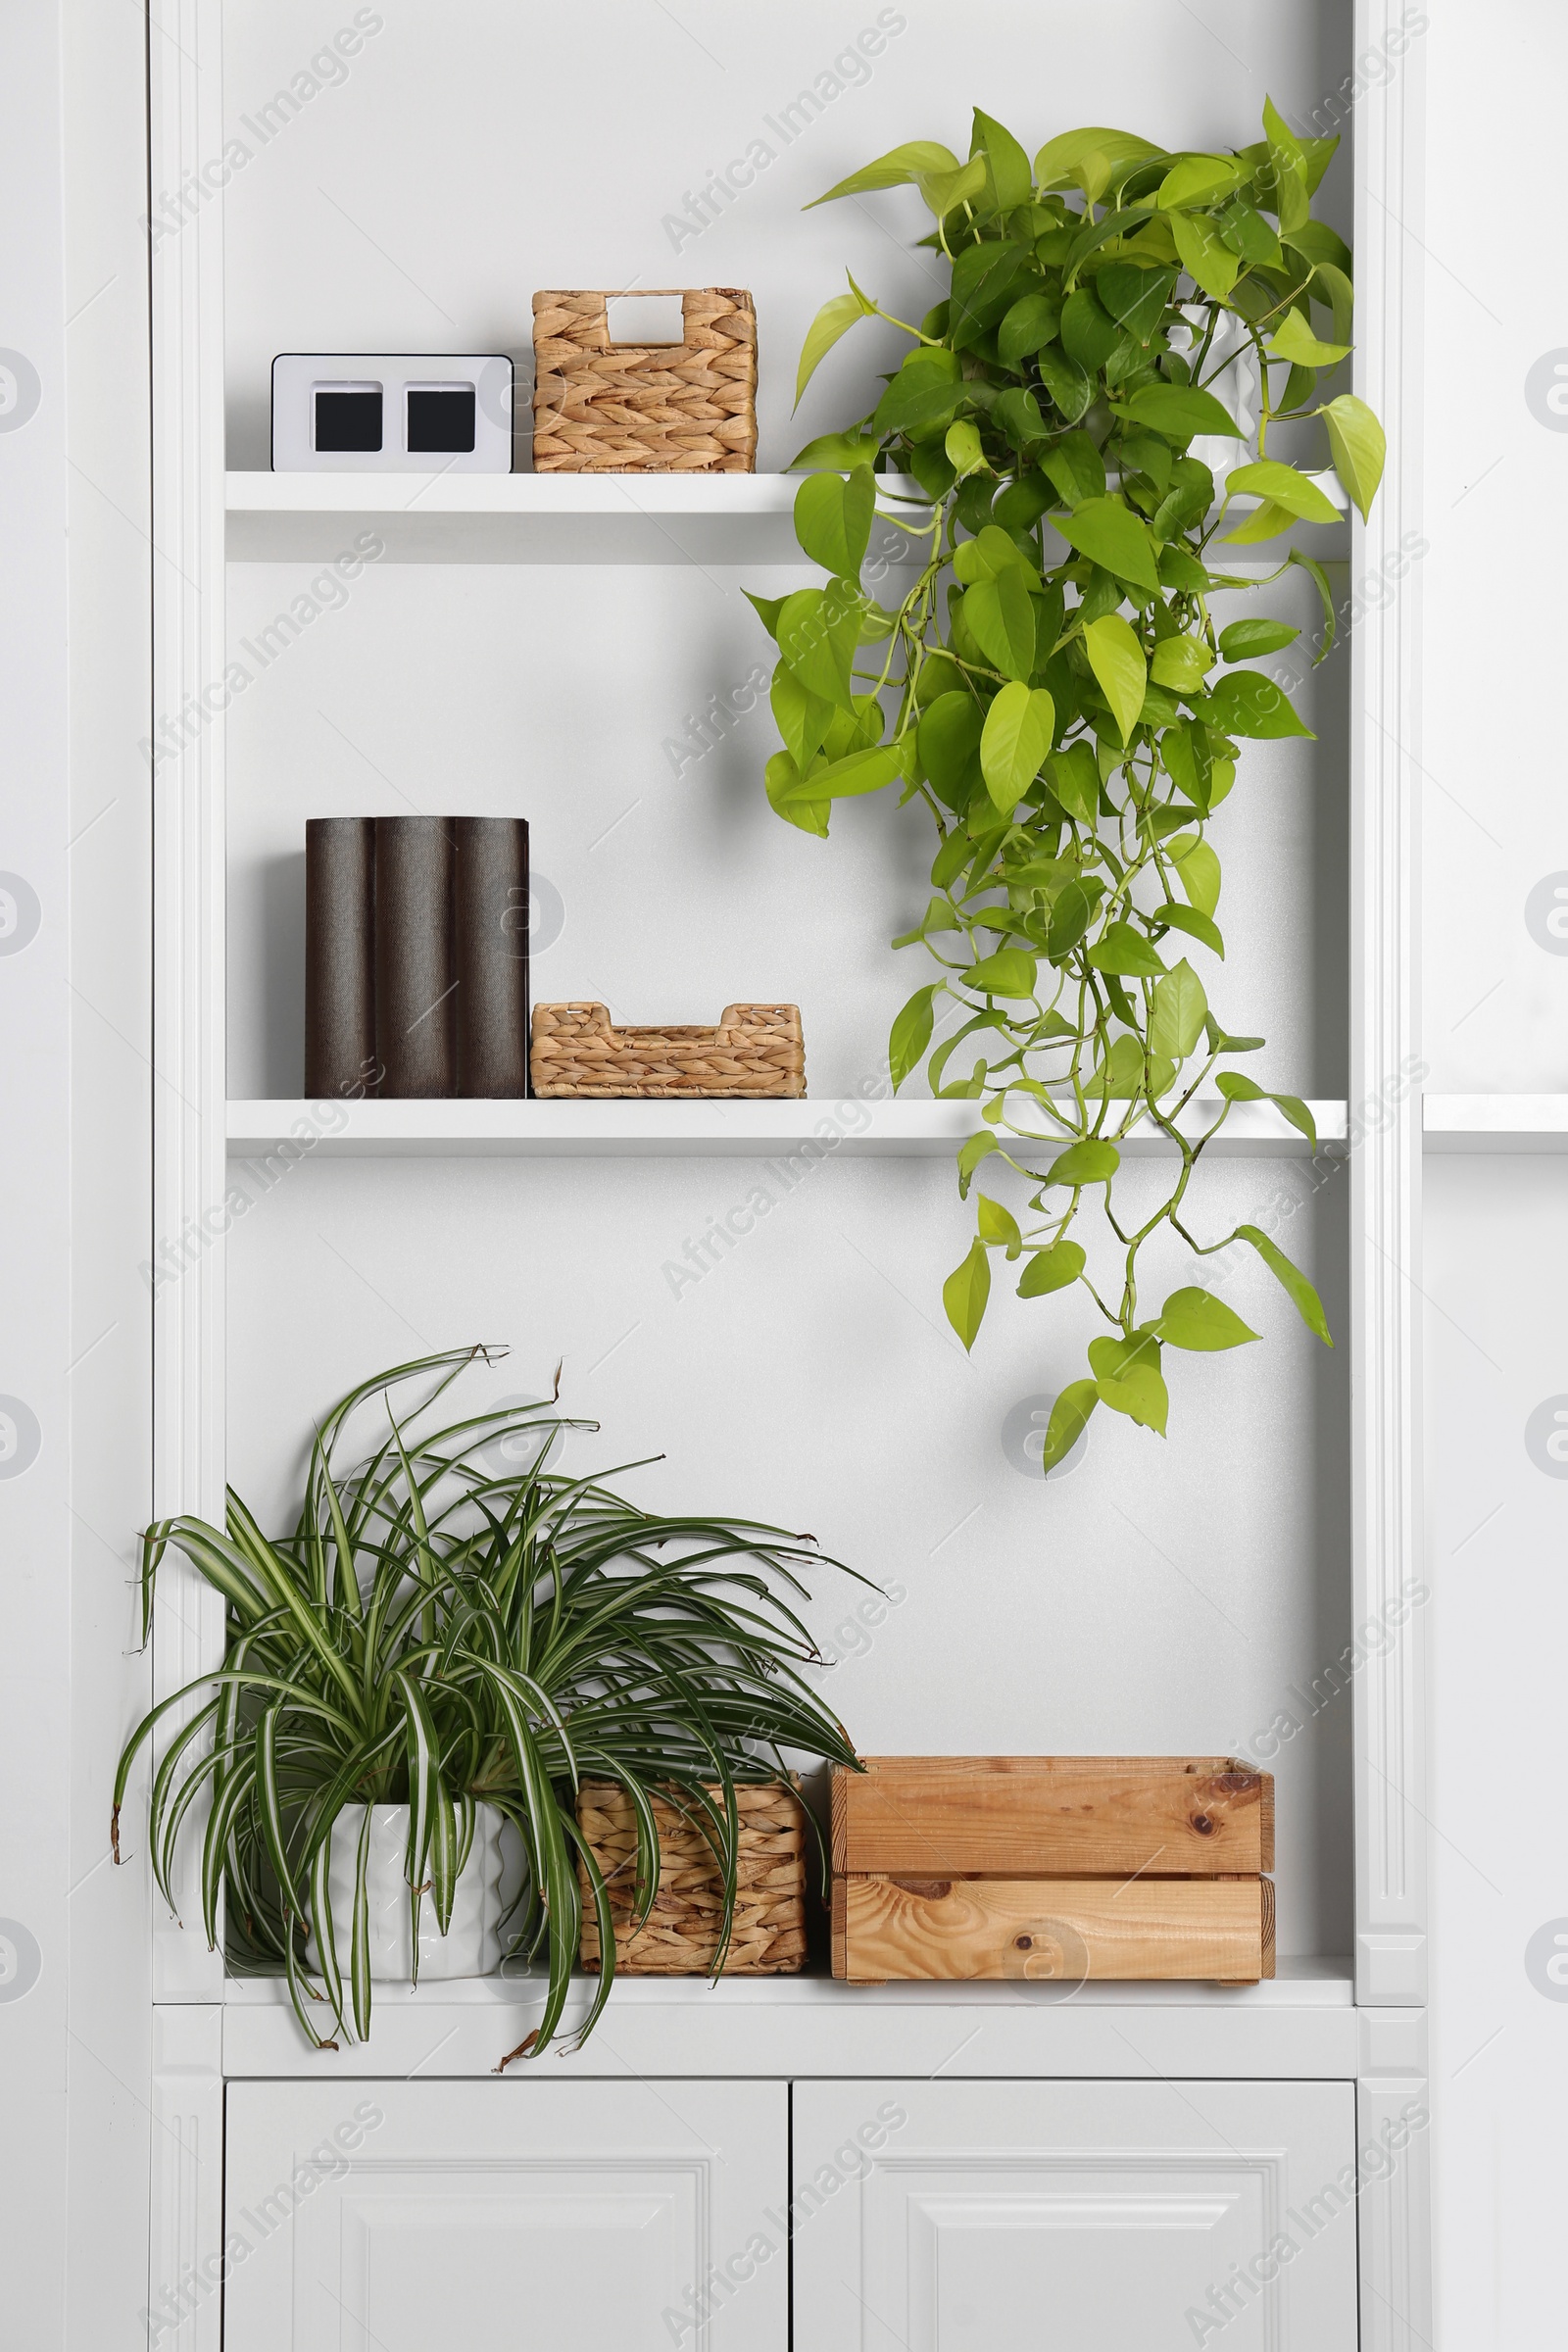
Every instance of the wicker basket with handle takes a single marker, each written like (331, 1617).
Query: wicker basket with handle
(680, 1936)
(645, 408)
(756, 1051)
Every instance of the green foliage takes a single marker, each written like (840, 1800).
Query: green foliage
(1052, 688)
(440, 1633)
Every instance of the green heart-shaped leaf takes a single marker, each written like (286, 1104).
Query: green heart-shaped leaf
(1051, 1270)
(1113, 536)
(1000, 614)
(1196, 1319)
(966, 1292)
(1015, 740)
(833, 519)
(1116, 658)
(1092, 1161)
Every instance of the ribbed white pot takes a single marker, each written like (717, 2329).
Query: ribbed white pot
(472, 1943)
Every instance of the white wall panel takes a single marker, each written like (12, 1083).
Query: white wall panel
(1495, 827)
(36, 1339)
(1496, 1013)
(1498, 1370)
(109, 618)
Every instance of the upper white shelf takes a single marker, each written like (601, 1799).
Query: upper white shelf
(517, 517)
(1494, 1122)
(663, 1129)
(575, 518)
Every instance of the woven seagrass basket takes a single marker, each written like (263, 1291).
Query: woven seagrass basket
(756, 1051)
(645, 408)
(680, 1936)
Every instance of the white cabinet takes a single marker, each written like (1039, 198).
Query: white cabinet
(518, 2216)
(1086, 2217)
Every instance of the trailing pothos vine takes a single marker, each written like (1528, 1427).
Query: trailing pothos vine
(1070, 714)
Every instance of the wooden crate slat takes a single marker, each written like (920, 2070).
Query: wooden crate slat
(1053, 1930)
(1104, 1816)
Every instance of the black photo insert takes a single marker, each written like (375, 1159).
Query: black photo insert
(350, 419)
(441, 422)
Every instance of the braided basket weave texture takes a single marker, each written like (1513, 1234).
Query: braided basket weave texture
(680, 1934)
(645, 408)
(756, 1051)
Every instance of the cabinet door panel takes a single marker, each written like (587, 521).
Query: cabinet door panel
(521, 2215)
(1095, 2217)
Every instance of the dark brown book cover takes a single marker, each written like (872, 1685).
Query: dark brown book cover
(490, 928)
(340, 957)
(416, 976)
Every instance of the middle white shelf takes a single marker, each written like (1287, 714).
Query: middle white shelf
(709, 1129)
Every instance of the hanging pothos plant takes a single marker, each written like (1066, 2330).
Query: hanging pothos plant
(1052, 688)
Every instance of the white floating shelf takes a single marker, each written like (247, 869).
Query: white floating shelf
(663, 1129)
(579, 519)
(1527, 1123)
(654, 494)
(516, 517)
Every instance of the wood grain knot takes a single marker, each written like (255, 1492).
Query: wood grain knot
(1202, 1824)
(1025, 1944)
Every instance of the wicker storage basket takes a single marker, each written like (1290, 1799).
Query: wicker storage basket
(756, 1051)
(680, 1934)
(645, 408)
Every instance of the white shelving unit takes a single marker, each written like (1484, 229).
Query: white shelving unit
(819, 1359)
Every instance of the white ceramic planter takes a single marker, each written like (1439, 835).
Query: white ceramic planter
(472, 1943)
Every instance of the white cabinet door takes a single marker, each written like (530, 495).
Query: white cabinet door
(1078, 2217)
(513, 2216)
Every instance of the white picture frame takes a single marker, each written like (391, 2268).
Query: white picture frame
(391, 413)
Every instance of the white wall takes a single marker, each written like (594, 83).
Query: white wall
(76, 1085)
(109, 616)
(552, 693)
(35, 1028)
(475, 153)
(1496, 1008)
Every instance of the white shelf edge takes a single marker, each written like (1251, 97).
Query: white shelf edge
(1262, 2033)
(1525, 1123)
(1301, 2024)
(661, 1129)
(1313, 1981)
(412, 495)
(416, 494)
(587, 519)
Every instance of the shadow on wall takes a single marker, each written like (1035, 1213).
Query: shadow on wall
(282, 951)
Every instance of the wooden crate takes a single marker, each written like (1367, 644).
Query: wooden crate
(1053, 1867)
(1055, 1816)
(1055, 1929)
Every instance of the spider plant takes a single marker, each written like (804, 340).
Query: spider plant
(444, 1629)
